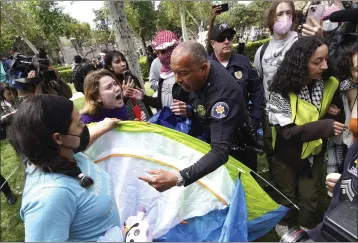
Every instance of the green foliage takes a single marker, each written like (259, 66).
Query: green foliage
(66, 75)
(144, 67)
(251, 48)
(241, 15)
(62, 68)
(103, 33)
(141, 17)
(80, 31)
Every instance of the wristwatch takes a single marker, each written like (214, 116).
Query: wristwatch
(180, 181)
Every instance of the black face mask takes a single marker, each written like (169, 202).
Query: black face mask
(84, 140)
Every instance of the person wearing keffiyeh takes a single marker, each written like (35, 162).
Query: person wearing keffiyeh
(164, 43)
(300, 99)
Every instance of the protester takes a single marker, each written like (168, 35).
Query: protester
(348, 70)
(80, 76)
(77, 62)
(280, 20)
(104, 98)
(240, 68)
(154, 74)
(117, 64)
(66, 196)
(298, 103)
(8, 106)
(150, 56)
(164, 43)
(218, 106)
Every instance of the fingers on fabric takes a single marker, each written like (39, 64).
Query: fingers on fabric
(339, 128)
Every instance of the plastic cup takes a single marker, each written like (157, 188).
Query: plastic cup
(332, 176)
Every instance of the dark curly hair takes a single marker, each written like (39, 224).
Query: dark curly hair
(345, 62)
(292, 74)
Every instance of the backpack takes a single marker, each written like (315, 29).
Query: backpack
(262, 52)
(76, 78)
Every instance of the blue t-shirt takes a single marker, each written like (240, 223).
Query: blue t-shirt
(55, 207)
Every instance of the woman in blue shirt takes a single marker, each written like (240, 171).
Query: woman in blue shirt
(66, 196)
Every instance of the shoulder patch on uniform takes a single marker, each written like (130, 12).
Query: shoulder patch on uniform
(238, 74)
(220, 110)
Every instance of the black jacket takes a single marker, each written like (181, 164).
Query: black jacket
(241, 69)
(219, 109)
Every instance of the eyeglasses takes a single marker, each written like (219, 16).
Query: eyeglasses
(222, 38)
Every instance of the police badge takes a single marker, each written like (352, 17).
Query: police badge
(238, 74)
(201, 111)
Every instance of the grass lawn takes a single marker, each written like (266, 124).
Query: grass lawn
(12, 228)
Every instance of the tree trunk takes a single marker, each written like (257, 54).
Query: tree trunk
(124, 37)
(182, 20)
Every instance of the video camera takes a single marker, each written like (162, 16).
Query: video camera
(339, 226)
(21, 68)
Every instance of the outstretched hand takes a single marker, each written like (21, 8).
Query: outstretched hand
(161, 180)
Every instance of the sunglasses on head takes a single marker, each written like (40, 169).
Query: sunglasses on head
(222, 38)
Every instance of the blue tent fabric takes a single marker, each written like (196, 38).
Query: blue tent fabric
(260, 226)
(229, 224)
(165, 117)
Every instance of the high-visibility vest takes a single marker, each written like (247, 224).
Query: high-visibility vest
(304, 112)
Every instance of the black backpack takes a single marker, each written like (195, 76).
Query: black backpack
(77, 78)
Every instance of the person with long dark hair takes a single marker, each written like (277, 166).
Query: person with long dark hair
(300, 99)
(66, 196)
(117, 64)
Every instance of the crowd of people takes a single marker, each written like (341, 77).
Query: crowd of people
(301, 90)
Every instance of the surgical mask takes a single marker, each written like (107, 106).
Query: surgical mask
(283, 25)
(329, 26)
(84, 140)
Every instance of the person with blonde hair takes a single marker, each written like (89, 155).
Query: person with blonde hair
(104, 98)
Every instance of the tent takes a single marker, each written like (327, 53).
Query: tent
(226, 205)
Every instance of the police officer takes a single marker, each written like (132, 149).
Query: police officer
(217, 104)
(241, 69)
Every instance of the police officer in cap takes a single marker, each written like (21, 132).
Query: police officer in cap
(241, 69)
(217, 104)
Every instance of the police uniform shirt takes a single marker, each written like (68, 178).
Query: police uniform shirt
(240, 68)
(219, 108)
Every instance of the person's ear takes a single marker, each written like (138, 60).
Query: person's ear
(57, 138)
(212, 42)
(204, 67)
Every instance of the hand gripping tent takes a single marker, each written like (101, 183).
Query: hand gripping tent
(226, 205)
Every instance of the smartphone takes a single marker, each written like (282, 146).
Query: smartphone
(315, 12)
(224, 7)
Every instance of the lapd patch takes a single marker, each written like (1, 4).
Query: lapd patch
(201, 110)
(220, 110)
(238, 74)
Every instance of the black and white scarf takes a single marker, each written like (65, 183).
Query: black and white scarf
(317, 93)
(346, 85)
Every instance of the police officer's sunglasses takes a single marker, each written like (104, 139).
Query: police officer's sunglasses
(222, 38)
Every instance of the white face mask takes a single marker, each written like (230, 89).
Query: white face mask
(329, 26)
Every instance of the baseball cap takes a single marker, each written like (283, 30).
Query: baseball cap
(218, 29)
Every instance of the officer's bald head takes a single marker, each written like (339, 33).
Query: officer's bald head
(194, 50)
(189, 62)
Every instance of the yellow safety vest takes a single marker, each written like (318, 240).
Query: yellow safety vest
(304, 112)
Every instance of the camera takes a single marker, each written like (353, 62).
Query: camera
(338, 226)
